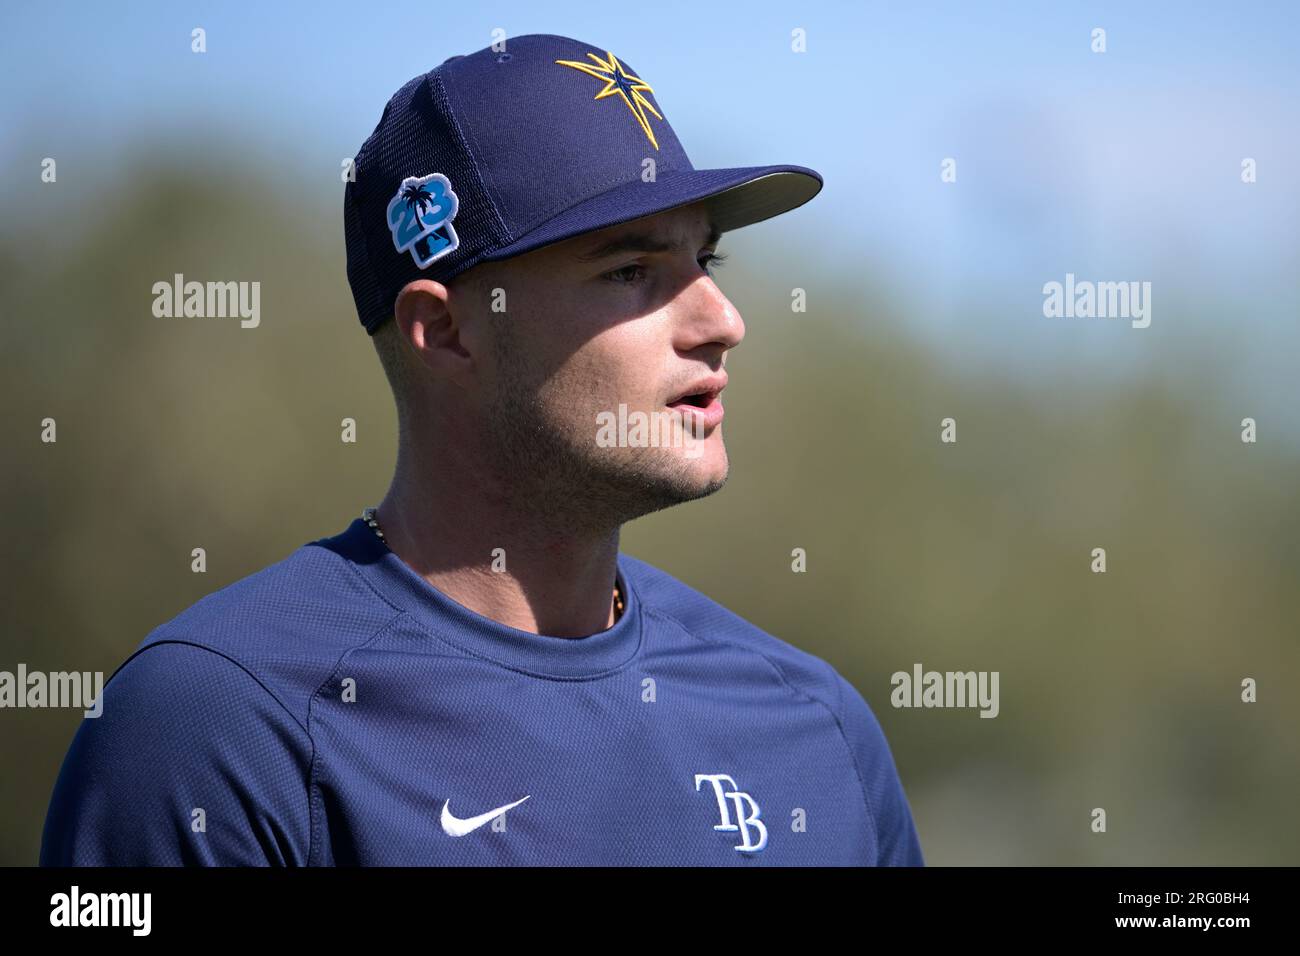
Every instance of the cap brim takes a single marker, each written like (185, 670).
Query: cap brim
(737, 197)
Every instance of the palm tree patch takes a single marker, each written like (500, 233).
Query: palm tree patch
(420, 216)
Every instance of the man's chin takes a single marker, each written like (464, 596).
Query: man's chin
(690, 478)
(690, 487)
(677, 490)
(656, 483)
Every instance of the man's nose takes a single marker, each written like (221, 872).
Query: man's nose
(708, 317)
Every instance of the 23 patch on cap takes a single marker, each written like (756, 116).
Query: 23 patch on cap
(420, 215)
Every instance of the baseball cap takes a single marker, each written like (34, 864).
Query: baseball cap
(499, 152)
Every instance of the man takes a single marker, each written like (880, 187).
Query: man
(472, 673)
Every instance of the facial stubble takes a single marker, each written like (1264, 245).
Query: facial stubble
(553, 465)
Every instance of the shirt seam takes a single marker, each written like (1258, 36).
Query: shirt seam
(853, 760)
(270, 693)
(471, 147)
(397, 615)
(311, 701)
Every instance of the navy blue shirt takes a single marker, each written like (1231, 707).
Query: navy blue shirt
(335, 708)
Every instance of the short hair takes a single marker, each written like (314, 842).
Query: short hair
(396, 358)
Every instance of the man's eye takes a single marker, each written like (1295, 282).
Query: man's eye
(712, 259)
(622, 276)
(634, 273)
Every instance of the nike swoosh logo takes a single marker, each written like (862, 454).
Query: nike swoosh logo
(454, 826)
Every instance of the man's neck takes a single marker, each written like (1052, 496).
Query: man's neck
(502, 562)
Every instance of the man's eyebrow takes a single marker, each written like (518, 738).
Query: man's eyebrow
(639, 242)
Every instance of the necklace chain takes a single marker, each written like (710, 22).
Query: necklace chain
(371, 517)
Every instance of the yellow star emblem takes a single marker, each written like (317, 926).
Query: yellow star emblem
(619, 82)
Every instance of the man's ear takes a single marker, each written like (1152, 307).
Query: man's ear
(433, 329)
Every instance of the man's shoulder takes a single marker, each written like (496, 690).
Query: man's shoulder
(287, 625)
(662, 594)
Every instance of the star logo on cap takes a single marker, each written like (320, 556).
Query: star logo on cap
(619, 82)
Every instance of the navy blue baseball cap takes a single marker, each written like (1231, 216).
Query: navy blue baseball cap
(503, 151)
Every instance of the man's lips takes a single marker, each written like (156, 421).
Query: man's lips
(703, 400)
(709, 415)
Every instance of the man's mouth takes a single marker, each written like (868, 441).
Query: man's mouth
(699, 399)
(703, 402)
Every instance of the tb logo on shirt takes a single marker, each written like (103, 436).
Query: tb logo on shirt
(742, 802)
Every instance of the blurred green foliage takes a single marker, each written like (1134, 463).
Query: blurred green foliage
(1119, 690)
